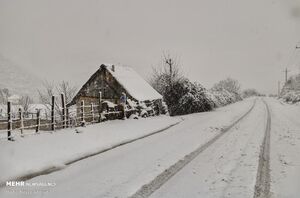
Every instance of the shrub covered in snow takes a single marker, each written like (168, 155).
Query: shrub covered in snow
(223, 97)
(250, 92)
(226, 92)
(229, 84)
(185, 97)
(291, 96)
(291, 90)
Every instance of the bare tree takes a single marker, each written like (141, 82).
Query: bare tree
(68, 90)
(171, 64)
(167, 79)
(46, 94)
(50, 89)
(25, 102)
(166, 73)
(4, 94)
(2, 100)
(228, 84)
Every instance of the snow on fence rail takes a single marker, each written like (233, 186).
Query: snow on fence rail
(80, 116)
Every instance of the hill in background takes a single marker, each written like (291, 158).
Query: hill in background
(18, 80)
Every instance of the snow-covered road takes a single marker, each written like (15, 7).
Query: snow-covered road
(228, 168)
(285, 150)
(212, 154)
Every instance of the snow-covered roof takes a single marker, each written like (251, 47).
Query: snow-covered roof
(133, 83)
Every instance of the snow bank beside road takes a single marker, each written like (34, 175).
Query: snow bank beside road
(285, 147)
(41, 152)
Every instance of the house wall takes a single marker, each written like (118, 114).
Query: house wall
(111, 90)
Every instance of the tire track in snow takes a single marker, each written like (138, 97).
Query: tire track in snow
(262, 186)
(147, 189)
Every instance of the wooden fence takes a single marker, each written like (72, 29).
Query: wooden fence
(85, 114)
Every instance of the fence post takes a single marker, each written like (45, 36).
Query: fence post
(82, 111)
(9, 121)
(38, 121)
(100, 105)
(52, 114)
(21, 121)
(92, 112)
(63, 104)
(123, 101)
(67, 114)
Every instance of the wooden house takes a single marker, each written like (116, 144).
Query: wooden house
(114, 80)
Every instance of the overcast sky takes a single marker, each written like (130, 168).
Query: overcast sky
(250, 40)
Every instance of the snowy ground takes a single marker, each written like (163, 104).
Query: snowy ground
(121, 171)
(226, 169)
(193, 164)
(39, 152)
(285, 150)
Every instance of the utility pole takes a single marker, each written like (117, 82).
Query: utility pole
(298, 47)
(170, 63)
(286, 71)
(278, 88)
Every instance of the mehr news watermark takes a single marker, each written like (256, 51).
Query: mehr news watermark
(26, 187)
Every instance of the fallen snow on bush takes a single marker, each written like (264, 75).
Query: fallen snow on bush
(185, 97)
(222, 97)
(291, 90)
(291, 96)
